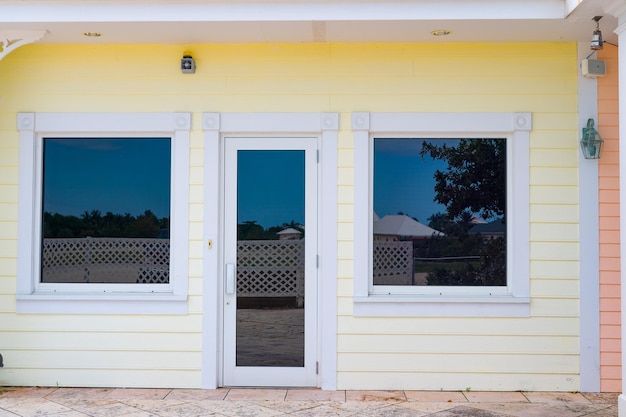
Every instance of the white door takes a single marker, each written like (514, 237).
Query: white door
(270, 261)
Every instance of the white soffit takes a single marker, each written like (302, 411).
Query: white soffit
(243, 21)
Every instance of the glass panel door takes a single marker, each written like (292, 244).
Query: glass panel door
(270, 261)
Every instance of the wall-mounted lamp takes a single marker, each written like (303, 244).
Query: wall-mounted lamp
(591, 142)
(596, 38)
(188, 65)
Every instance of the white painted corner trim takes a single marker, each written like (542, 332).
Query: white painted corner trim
(10, 40)
(510, 301)
(35, 297)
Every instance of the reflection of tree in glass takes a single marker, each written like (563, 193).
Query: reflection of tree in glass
(250, 230)
(475, 179)
(93, 223)
(473, 182)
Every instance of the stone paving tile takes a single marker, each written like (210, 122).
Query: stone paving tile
(33, 392)
(436, 396)
(152, 405)
(254, 394)
(393, 410)
(185, 409)
(605, 412)
(556, 397)
(289, 407)
(133, 393)
(251, 410)
(327, 410)
(467, 411)
(361, 407)
(601, 397)
(197, 394)
(375, 396)
(314, 395)
(79, 393)
(27, 407)
(104, 402)
(495, 397)
(427, 408)
(100, 408)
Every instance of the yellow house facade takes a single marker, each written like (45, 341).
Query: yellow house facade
(330, 100)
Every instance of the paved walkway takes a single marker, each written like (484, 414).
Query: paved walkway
(101, 402)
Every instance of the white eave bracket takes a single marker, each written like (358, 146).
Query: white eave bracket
(13, 39)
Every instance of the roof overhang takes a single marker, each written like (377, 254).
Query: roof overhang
(251, 21)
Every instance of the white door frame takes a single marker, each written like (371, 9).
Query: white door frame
(299, 376)
(206, 215)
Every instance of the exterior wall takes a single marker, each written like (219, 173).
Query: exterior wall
(540, 352)
(610, 322)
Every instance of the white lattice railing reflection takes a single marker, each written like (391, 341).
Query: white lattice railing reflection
(105, 260)
(393, 262)
(270, 268)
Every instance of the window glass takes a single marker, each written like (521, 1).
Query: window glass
(439, 212)
(106, 210)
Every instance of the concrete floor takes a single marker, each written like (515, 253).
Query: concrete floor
(113, 402)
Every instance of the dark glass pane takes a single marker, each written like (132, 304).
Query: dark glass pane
(106, 210)
(270, 258)
(439, 212)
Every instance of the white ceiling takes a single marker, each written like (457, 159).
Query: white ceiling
(249, 21)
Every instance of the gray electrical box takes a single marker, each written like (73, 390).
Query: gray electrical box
(593, 68)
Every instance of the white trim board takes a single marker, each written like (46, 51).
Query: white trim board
(510, 301)
(215, 126)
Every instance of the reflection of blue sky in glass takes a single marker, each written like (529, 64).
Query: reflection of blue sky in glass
(110, 175)
(403, 179)
(270, 187)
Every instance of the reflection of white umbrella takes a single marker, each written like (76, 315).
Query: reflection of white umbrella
(289, 231)
(403, 225)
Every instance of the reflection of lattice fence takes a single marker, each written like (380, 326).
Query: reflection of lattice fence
(270, 268)
(105, 260)
(393, 263)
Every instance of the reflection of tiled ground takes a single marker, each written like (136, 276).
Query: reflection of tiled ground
(101, 402)
(270, 337)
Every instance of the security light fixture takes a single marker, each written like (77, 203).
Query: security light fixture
(187, 65)
(441, 32)
(596, 39)
(591, 142)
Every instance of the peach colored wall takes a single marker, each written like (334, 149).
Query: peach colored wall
(610, 343)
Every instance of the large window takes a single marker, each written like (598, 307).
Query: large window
(441, 212)
(106, 210)
(103, 220)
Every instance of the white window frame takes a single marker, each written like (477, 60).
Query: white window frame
(34, 296)
(510, 300)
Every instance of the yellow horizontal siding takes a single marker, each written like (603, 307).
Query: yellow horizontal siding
(556, 213)
(548, 231)
(485, 362)
(8, 211)
(88, 377)
(533, 353)
(555, 288)
(8, 266)
(102, 323)
(428, 344)
(549, 176)
(458, 381)
(553, 269)
(547, 325)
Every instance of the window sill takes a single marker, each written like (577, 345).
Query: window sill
(441, 306)
(109, 303)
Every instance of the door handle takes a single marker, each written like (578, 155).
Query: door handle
(230, 278)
